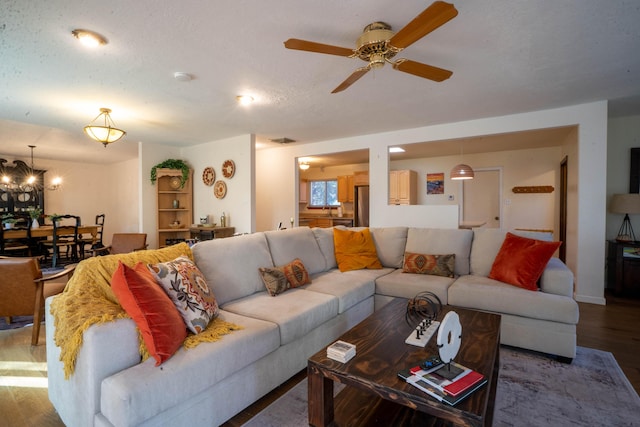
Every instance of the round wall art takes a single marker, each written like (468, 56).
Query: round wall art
(220, 189)
(228, 168)
(208, 176)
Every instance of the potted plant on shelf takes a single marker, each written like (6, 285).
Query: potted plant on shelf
(34, 214)
(172, 164)
(8, 220)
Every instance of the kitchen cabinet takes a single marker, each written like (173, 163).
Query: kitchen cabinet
(403, 187)
(361, 178)
(304, 191)
(345, 188)
(175, 206)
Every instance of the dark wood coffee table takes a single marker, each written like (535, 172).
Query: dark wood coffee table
(376, 396)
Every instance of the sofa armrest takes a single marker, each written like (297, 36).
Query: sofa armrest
(106, 349)
(557, 279)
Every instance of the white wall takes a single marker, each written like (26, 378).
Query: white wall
(623, 134)
(588, 211)
(238, 205)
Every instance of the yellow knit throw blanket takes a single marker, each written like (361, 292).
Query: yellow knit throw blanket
(88, 300)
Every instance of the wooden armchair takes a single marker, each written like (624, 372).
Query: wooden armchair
(122, 243)
(24, 289)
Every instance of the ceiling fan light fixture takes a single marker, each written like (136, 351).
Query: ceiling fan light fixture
(89, 38)
(461, 171)
(245, 99)
(105, 133)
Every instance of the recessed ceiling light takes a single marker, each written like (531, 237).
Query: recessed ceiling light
(182, 77)
(244, 99)
(396, 150)
(89, 38)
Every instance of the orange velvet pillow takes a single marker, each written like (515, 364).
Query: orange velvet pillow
(160, 324)
(521, 261)
(355, 250)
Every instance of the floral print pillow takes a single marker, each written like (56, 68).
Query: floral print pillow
(186, 286)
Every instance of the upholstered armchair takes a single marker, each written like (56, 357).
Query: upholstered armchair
(122, 243)
(24, 289)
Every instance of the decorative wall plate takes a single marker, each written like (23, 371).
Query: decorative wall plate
(220, 189)
(228, 168)
(175, 182)
(208, 176)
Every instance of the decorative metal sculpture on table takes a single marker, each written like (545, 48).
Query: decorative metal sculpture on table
(422, 310)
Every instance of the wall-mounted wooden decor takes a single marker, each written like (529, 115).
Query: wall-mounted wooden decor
(534, 189)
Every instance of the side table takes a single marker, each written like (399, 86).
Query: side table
(623, 267)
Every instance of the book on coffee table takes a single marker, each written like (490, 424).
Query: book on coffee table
(341, 351)
(445, 390)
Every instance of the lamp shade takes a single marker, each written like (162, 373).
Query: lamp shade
(625, 203)
(462, 171)
(106, 133)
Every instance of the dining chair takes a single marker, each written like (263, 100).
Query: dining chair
(17, 246)
(89, 242)
(24, 289)
(65, 235)
(122, 243)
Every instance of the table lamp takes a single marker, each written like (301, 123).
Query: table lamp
(625, 204)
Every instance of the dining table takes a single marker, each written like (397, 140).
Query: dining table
(47, 231)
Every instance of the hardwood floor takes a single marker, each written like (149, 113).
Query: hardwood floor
(23, 371)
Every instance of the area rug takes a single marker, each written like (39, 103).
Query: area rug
(533, 390)
(16, 322)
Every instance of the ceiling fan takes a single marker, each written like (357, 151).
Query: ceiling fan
(378, 44)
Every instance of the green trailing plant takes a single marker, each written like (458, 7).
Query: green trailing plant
(171, 164)
(54, 217)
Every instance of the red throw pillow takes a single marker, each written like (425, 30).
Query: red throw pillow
(521, 261)
(162, 327)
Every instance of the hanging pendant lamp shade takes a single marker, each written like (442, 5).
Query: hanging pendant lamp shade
(107, 133)
(462, 171)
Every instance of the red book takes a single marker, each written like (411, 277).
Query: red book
(464, 383)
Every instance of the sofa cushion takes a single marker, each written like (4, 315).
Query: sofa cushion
(231, 265)
(350, 287)
(442, 241)
(403, 285)
(482, 293)
(292, 243)
(390, 243)
(296, 312)
(436, 265)
(157, 318)
(520, 261)
(355, 249)
(188, 289)
(133, 395)
(324, 237)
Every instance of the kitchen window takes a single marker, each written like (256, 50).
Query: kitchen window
(323, 194)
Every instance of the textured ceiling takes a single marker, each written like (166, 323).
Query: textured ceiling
(507, 56)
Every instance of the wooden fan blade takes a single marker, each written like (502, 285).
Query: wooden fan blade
(317, 47)
(422, 70)
(431, 18)
(351, 79)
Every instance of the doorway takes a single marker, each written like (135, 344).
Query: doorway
(482, 198)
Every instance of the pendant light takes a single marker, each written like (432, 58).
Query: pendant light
(105, 133)
(461, 171)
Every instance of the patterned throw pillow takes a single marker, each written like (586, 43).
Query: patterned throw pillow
(274, 280)
(296, 274)
(279, 279)
(435, 265)
(186, 286)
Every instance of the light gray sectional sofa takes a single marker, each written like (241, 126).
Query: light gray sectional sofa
(212, 382)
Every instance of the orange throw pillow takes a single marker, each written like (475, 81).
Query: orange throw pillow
(160, 324)
(521, 261)
(355, 250)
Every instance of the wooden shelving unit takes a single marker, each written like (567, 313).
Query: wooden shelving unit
(175, 204)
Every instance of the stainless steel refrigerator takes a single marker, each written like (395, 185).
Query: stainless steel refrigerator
(361, 206)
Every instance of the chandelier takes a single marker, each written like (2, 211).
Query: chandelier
(105, 133)
(27, 184)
